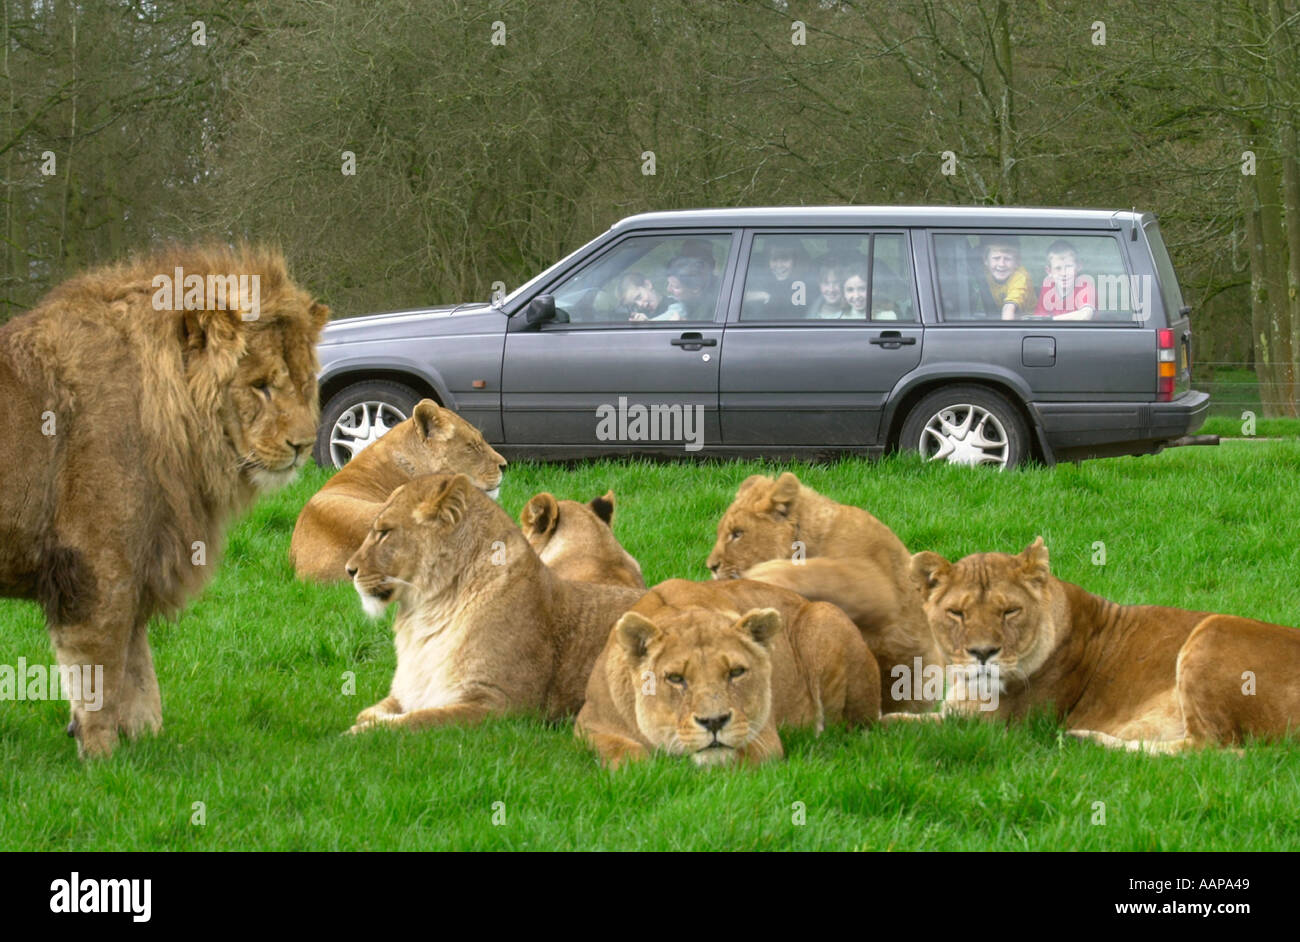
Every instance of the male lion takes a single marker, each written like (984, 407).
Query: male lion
(485, 628)
(577, 540)
(785, 533)
(137, 431)
(337, 518)
(1132, 676)
(686, 672)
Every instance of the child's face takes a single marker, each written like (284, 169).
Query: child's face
(832, 292)
(1001, 262)
(643, 298)
(682, 292)
(782, 266)
(855, 292)
(1062, 268)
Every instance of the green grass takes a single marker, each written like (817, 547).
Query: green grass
(253, 673)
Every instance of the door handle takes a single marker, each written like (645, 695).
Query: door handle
(693, 341)
(892, 340)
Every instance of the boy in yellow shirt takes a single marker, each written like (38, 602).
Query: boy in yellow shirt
(1006, 279)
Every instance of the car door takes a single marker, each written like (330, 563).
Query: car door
(823, 327)
(1090, 341)
(631, 362)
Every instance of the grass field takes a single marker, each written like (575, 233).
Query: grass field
(253, 677)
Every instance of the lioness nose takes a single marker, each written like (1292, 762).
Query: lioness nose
(352, 571)
(713, 567)
(982, 654)
(714, 723)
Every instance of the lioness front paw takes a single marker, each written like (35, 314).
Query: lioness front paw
(371, 719)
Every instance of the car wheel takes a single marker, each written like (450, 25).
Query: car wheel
(357, 415)
(966, 425)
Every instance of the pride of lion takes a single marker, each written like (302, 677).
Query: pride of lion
(816, 613)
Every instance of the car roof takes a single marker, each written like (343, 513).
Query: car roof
(981, 216)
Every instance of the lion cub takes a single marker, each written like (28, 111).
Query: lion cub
(485, 628)
(852, 560)
(335, 521)
(1131, 676)
(710, 670)
(577, 540)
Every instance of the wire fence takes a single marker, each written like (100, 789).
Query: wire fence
(1234, 388)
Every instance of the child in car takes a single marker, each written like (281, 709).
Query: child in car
(1006, 279)
(1066, 294)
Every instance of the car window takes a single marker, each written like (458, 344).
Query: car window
(827, 279)
(1172, 294)
(1035, 276)
(646, 279)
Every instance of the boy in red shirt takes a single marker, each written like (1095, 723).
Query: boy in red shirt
(1066, 295)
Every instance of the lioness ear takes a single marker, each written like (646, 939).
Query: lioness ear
(634, 633)
(783, 494)
(750, 482)
(429, 420)
(761, 624)
(603, 507)
(1036, 569)
(448, 502)
(540, 514)
(927, 569)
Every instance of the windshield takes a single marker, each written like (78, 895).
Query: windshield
(528, 286)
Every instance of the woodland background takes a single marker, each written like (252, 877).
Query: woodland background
(125, 123)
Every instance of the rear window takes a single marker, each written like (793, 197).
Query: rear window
(1169, 290)
(1035, 276)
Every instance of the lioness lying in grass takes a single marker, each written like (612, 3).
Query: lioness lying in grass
(711, 670)
(1129, 676)
(785, 533)
(484, 628)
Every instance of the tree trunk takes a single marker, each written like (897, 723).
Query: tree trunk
(1261, 348)
(1282, 55)
(1007, 111)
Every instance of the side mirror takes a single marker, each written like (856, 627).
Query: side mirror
(540, 310)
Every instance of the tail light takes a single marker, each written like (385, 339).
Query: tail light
(1166, 368)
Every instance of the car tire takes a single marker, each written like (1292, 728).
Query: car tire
(357, 415)
(966, 425)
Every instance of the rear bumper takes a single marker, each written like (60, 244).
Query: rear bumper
(1096, 429)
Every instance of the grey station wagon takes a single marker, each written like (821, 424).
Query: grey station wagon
(972, 335)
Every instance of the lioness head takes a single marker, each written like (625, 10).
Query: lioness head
(435, 439)
(428, 531)
(577, 540)
(991, 613)
(703, 679)
(762, 523)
